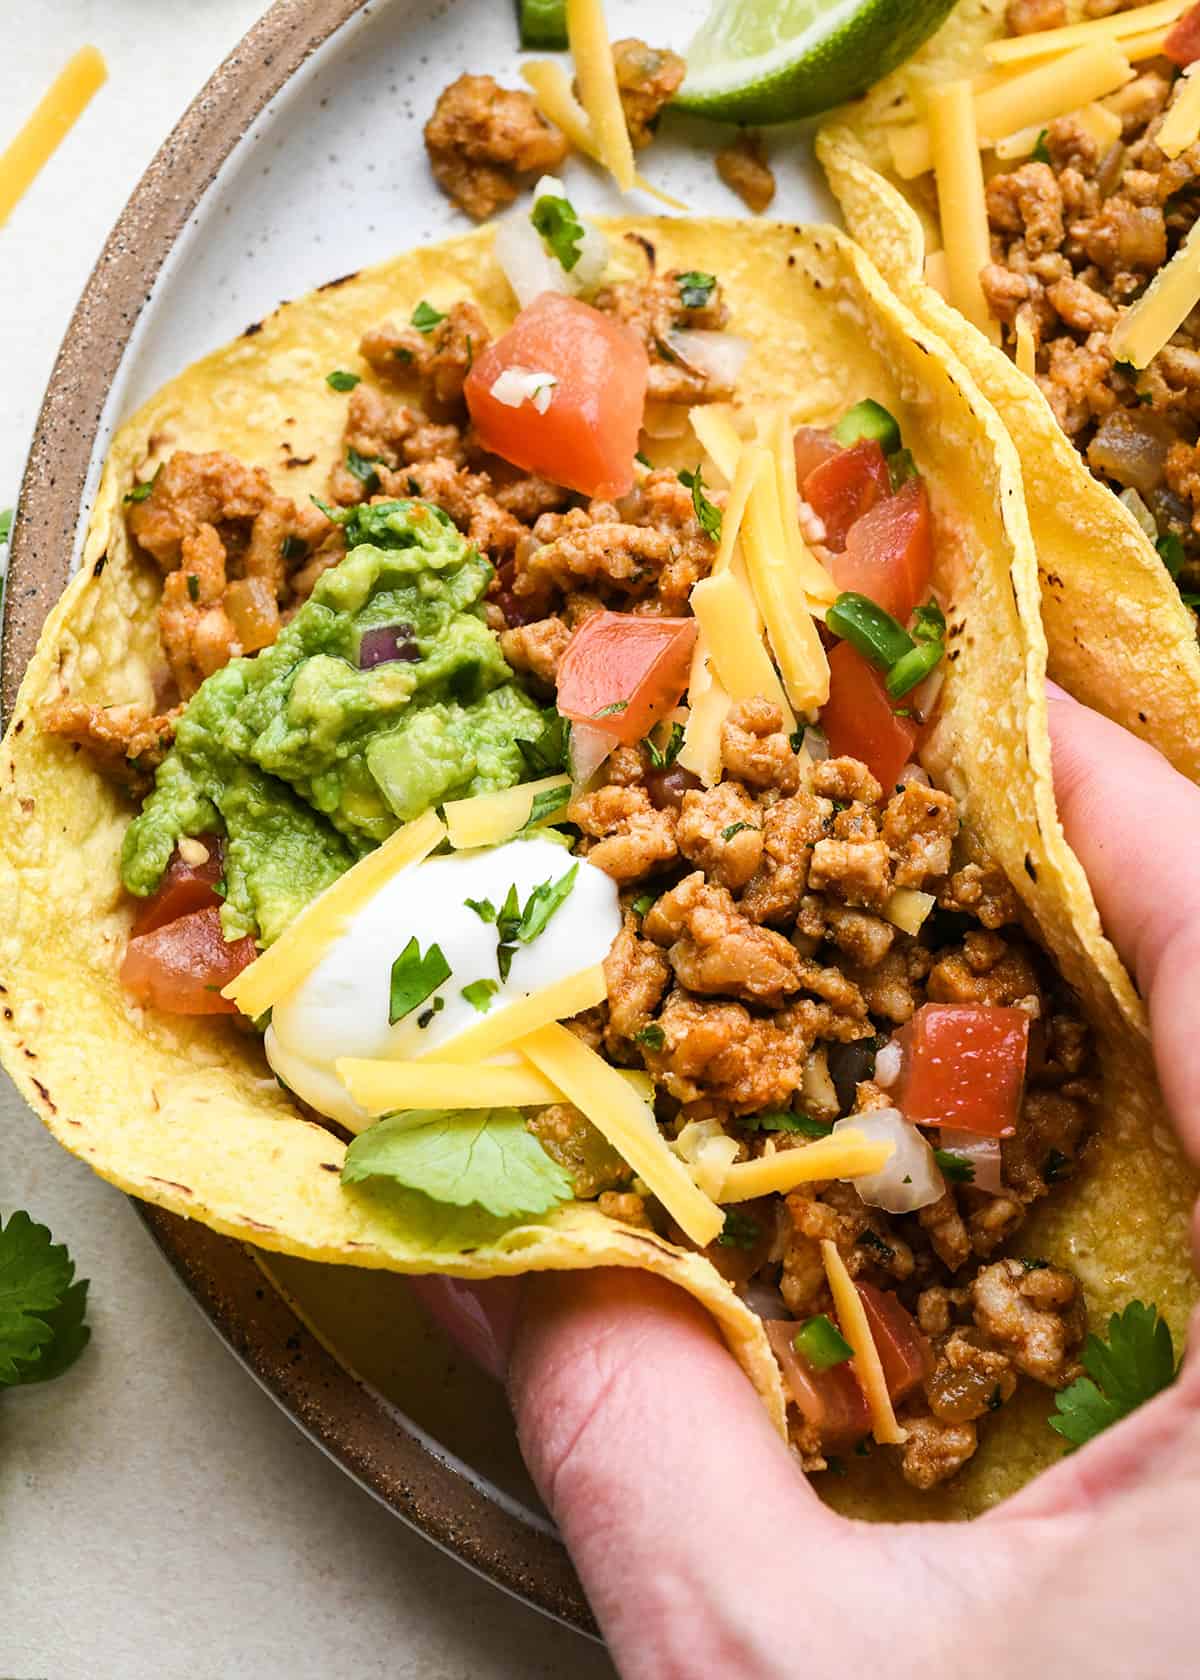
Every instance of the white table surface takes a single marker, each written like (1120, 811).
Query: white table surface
(160, 1519)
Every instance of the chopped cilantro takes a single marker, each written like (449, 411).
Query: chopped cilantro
(739, 1230)
(695, 288)
(427, 1015)
(414, 978)
(995, 1399)
(143, 489)
(479, 994)
(543, 901)
(293, 547)
(822, 1343)
(709, 517)
(871, 1239)
(1040, 153)
(425, 317)
(901, 467)
(6, 519)
(783, 1120)
(956, 1169)
(516, 925)
(193, 587)
(461, 1156)
(736, 828)
(661, 757)
(559, 228)
(643, 460)
(613, 709)
(549, 751)
(929, 623)
(1136, 1363)
(642, 903)
(340, 380)
(1171, 549)
(1035, 1265)
(653, 1037)
(365, 469)
(545, 803)
(42, 1304)
(483, 908)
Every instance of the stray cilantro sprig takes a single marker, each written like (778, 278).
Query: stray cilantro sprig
(143, 488)
(739, 1230)
(559, 228)
(518, 924)
(42, 1304)
(709, 517)
(461, 1157)
(414, 978)
(365, 469)
(6, 519)
(545, 804)
(1041, 152)
(479, 994)
(340, 380)
(1136, 1363)
(1170, 549)
(425, 317)
(955, 1169)
(783, 1120)
(549, 751)
(695, 288)
(661, 758)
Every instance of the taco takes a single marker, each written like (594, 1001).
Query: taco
(312, 991)
(1053, 311)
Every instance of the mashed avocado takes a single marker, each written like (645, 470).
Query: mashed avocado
(304, 760)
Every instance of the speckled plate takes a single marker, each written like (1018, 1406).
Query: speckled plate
(300, 161)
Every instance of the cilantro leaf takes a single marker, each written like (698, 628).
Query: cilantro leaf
(613, 709)
(739, 1230)
(1136, 1363)
(695, 288)
(462, 1156)
(141, 490)
(546, 803)
(414, 978)
(653, 1037)
(1171, 549)
(340, 380)
(6, 519)
(543, 901)
(955, 1169)
(425, 317)
(41, 1305)
(642, 903)
(1040, 153)
(483, 908)
(549, 751)
(479, 994)
(709, 517)
(559, 228)
(736, 828)
(661, 758)
(785, 1121)
(365, 469)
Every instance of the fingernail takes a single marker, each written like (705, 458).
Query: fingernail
(480, 1318)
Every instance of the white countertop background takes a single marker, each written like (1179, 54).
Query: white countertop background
(160, 1518)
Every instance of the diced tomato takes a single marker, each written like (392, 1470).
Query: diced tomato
(845, 486)
(184, 887)
(831, 1400)
(588, 436)
(181, 967)
(964, 1066)
(1182, 45)
(889, 552)
(622, 672)
(903, 1351)
(859, 720)
(813, 446)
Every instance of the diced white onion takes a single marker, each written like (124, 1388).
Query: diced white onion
(907, 909)
(983, 1154)
(1140, 512)
(816, 744)
(588, 750)
(914, 772)
(910, 1179)
(925, 695)
(710, 1154)
(817, 1090)
(812, 526)
(719, 356)
(531, 268)
(518, 385)
(887, 1064)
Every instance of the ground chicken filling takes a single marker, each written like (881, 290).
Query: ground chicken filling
(1077, 233)
(755, 973)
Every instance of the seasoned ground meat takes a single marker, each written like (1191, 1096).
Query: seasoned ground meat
(536, 648)
(719, 830)
(638, 975)
(629, 838)
(715, 949)
(435, 362)
(482, 138)
(127, 742)
(755, 750)
(659, 307)
(935, 1450)
(743, 167)
(1076, 236)
(647, 79)
(1036, 1316)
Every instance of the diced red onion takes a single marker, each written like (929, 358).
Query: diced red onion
(387, 642)
(910, 1179)
(983, 1154)
(588, 750)
(719, 356)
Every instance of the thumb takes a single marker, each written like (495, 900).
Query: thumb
(684, 1512)
(1132, 821)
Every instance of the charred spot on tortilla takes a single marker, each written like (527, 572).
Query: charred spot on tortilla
(252, 330)
(100, 565)
(342, 280)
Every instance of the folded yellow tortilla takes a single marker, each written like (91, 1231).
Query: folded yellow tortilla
(1120, 638)
(185, 1113)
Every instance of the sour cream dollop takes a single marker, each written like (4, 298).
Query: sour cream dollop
(341, 1008)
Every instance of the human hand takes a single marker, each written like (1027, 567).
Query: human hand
(703, 1549)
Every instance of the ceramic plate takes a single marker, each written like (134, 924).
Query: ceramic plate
(300, 161)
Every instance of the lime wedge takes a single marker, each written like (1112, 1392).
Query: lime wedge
(771, 60)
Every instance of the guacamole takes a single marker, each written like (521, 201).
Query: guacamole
(304, 759)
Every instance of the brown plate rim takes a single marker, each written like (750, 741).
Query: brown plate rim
(352, 1423)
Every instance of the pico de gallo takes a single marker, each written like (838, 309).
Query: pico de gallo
(800, 946)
